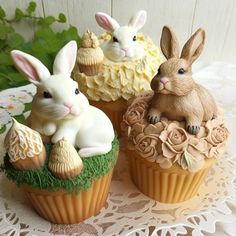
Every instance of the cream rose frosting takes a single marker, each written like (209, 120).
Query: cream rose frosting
(121, 79)
(167, 142)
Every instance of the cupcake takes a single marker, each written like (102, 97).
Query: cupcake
(176, 132)
(167, 163)
(25, 147)
(65, 162)
(124, 75)
(61, 191)
(66, 195)
(90, 55)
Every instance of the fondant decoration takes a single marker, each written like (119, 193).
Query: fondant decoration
(177, 96)
(59, 109)
(167, 142)
(90, 55)
(123, 44)
(64, 161)
(25, 147)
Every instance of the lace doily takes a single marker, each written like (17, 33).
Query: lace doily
(129, 212)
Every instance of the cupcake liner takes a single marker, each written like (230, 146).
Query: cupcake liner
(90, 70)
(171, 185)
(69, 173)
(31, 163)
(114, 110)
(61, 207)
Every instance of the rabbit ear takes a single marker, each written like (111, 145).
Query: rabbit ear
(65, 59)
(194, 46)
(138, 20)
(169, 43)
(106, 22)
(30, 66)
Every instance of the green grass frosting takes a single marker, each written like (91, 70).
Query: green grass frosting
(94, 168)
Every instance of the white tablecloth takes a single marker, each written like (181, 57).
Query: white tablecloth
(211, 212)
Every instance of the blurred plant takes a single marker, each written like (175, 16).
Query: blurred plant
(44, 45)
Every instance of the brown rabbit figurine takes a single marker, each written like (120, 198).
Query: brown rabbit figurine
(176, 95)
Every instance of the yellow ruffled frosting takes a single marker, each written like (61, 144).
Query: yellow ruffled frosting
(121, 79)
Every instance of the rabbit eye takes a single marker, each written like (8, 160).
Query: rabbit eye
(159, 71)
(181, 71)
(76, 91)
(47, 95)
(115, 40)
(134, 38)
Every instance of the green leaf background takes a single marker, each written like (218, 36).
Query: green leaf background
(44, 45)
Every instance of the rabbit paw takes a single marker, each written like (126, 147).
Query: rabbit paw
(193, 129)
(153, 119)
(153, 116)
(49, 129)
(56, 138)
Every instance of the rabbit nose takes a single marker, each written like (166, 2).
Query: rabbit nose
(164, 80)
(125, 49)
(68, 104)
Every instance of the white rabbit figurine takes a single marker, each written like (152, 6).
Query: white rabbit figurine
(59, 109)
(123, 44)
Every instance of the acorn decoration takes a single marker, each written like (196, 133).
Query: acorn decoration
(65, 162)
(90, 56)
(25, 147)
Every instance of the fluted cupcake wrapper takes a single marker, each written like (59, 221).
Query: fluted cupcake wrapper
(69, 173)
(61, 207)
(114, 110)
(171, 185)
(91, 70)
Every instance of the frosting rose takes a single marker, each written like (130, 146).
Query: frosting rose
(135, 113)
(134, 132)
(174, 142)
(146, 146)
(217, 136)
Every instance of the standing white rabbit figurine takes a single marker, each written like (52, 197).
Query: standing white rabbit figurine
(123, 44)
(59, 109)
